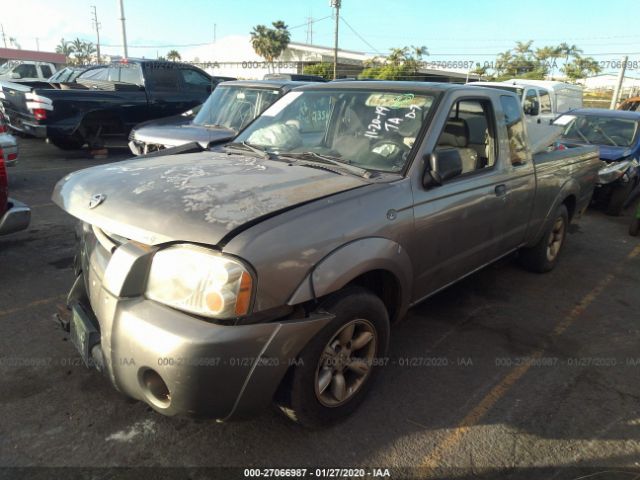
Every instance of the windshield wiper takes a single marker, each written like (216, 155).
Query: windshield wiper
(245, 147)
(331, 160)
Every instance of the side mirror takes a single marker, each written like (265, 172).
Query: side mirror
(15, 75)
(443, 165)
(533, 109)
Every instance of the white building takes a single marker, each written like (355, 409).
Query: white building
(233, 56)
(608, 81)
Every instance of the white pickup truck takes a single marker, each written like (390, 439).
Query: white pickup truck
(26, 70)
(542, 102)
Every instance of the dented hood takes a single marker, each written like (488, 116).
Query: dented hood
(198, 197)
(175, 135)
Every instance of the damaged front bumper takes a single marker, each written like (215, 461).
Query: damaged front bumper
(177, 363)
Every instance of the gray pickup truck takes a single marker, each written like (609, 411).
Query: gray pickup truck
(271, 269)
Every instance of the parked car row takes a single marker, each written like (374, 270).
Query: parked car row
(103, 103)
(269, 269)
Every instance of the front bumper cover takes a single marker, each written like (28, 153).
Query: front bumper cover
(210, 370)
(16, 218)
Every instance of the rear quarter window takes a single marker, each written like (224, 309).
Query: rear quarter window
(515, 129)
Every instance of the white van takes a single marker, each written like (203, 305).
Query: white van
(26, 70)
(542, 101)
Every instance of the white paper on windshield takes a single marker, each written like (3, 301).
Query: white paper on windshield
(280, 105)
(564, 120)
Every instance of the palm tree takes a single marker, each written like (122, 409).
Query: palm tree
(569, 51)
(523, 48)
(173, 55)
(65, 48)
(420, 51)
(543, 55)
(270, 43)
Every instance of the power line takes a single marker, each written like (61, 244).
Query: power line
(306, 24)
(360, 36)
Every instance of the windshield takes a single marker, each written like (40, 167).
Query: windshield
(6, 67)
(375, 130)
(615, 132)
(235, 107)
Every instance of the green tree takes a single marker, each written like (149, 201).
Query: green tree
(323, 69)
(569, 51)
(581, 67)
(401, 64)
(66, 48)
(82, 52)
(173, 55)
(270, 43)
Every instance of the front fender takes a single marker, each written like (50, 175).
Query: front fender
(352, 260)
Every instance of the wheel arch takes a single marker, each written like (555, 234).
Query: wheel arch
(378, 264)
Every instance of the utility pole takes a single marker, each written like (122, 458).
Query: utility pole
(310, 30)
(96, 24)
(215, 27)
(616, 92)
(124, 30)
(4, 37)
(336, 4)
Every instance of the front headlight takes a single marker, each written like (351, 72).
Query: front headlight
(613, 171)
(200, 281)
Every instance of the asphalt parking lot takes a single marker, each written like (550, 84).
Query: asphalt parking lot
(505, 373)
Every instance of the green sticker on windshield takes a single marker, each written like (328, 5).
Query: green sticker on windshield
(396, 100)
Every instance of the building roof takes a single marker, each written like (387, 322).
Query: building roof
(32, 55)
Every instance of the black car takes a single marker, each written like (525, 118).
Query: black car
(106, 101)
(229, 109)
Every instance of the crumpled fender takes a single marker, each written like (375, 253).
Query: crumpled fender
(352, 260)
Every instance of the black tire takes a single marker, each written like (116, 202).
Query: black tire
(67, 143)
(634, 228)
(301, 401)
(619, 195)
(540, 258)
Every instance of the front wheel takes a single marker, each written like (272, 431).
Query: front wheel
(337, 367)
(544, 256)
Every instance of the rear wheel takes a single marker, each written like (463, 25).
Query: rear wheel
(67, 143)
(337, 367)
(544, 256)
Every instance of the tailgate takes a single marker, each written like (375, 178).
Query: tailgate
(12, 96)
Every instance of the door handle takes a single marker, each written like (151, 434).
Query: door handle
(501, 190)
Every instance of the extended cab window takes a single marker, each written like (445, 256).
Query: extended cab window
(531, 105)
(545, 102)
(469, 129)
(195, 81)
(26, 71)
(515, 130)
(162, 76)
(126, 73)
(46, 71)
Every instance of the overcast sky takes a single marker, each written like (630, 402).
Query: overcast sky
(452, 30)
